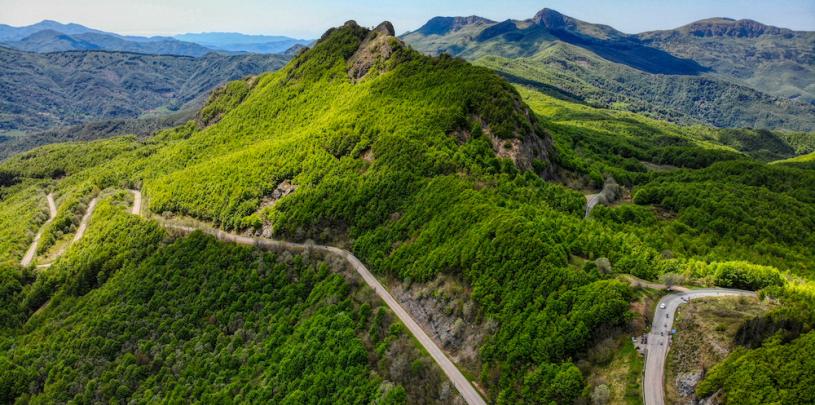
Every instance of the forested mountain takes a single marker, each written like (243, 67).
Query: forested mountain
(433, 172)
(39, 91)
(669, 75)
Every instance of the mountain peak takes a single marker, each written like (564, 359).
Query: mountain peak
(550, 19)
(445, 25)
(378, 45)
(385, 28)
(728, 27)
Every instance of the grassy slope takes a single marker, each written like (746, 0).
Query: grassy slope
(378, 169)
(705, 335)
(569, 71)
(532, 56)
(803, 161)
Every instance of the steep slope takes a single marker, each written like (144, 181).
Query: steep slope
(601, 66)
(432, 171)
(370, 132)
(774, 60)
(190, 318)
(65, 88)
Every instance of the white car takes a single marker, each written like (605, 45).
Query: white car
(662, 305)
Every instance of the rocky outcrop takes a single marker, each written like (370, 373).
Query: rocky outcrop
(529, 150)
(524, 152)
(444, 309)
(686, 382)
(377, 47)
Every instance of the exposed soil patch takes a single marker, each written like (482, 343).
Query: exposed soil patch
(283, 189)
(705, 332)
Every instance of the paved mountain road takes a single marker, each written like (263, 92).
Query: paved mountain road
(658, 344)
(462, 384)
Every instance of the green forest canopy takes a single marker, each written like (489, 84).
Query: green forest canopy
(380, 169)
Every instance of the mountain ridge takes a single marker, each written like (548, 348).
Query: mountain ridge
(54, 41)
(764, 88)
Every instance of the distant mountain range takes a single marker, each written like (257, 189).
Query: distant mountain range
(52, 36)
(235, 42)
(40, 91)
(54, 41)
(719, 71)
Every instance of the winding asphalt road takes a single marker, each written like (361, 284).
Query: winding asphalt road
(659, 339)
(31, 253)
(462, 384)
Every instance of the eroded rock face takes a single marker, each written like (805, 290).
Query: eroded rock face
(451, 318)
(377, 47)
(686, 382)
(524, 149)
(283, 189)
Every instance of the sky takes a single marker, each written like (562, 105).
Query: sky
(310, 18)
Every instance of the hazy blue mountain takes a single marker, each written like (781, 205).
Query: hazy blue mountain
(52, 36)
(9, 33)
(236, 42)
(53, 41)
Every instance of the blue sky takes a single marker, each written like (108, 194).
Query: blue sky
(309, 18)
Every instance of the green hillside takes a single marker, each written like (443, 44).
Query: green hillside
(424, 168)
(725, 81)
(129, 315)
(576, 74)
(803, 161)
